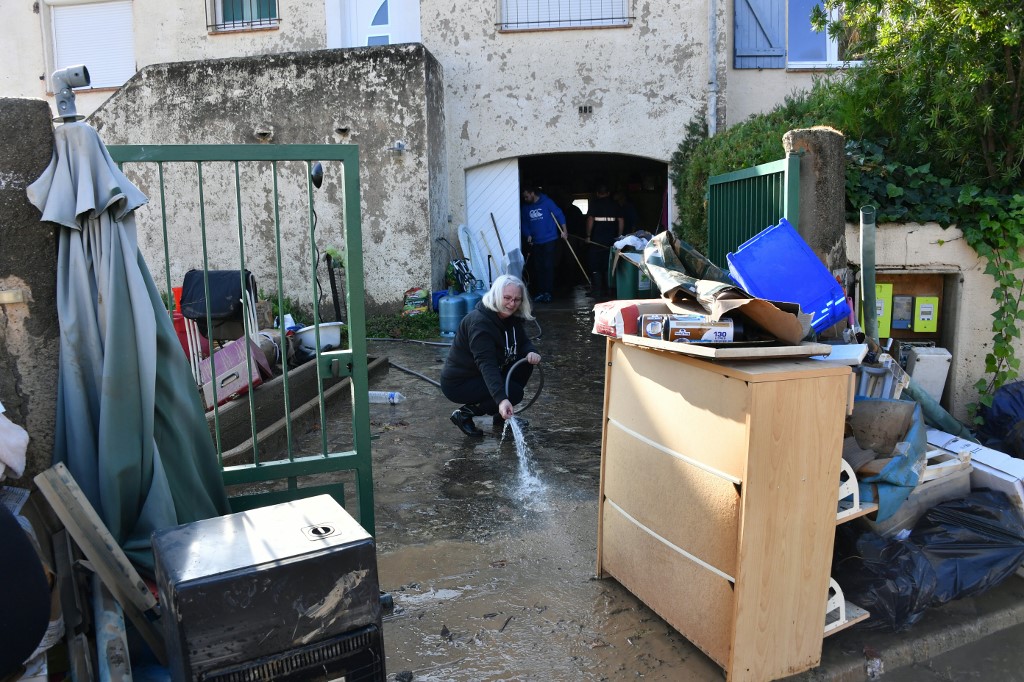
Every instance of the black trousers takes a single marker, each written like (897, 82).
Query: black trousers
(474, 394)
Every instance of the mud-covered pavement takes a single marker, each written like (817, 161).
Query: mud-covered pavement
(491, 561)
(492, 574)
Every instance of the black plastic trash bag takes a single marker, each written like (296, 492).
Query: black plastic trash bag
(973, 543)
(892, 580)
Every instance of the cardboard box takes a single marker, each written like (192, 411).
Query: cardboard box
(992, 469)
(617, 318)
(234, 375)
(686, 328)
(782, 321)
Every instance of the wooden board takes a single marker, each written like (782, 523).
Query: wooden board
(645, 384)
(687, 505)
(796, 431)
(732, 352)
(854, 615)
(695, 601)
(108, 560)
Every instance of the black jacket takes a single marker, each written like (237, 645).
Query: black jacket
(486, 345)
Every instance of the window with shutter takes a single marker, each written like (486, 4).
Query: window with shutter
(98, 34)
(777, 34)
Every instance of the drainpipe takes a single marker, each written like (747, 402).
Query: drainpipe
(712, 68)
(867, 271)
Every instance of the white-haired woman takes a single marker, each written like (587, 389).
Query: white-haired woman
(490, 339)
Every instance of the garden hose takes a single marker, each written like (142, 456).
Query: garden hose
(540, 385)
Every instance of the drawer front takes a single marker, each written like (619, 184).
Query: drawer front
(694, 600)
(694, 509)
(697, 413)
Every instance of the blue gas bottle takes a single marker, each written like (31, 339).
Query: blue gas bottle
(450, 310)
(473, 296)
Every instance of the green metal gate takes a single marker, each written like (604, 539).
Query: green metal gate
(743, 203)
(203, 204)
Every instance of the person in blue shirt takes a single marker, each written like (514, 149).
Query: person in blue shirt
(540, 224)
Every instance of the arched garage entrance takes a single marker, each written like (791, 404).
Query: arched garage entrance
(570, 179)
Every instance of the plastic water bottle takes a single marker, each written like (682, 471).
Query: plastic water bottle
(392, 397)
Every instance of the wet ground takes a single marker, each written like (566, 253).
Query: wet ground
(491, 559)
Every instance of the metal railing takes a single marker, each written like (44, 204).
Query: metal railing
(234, 15)
(255, 208)
(743, 203)
(520, 15)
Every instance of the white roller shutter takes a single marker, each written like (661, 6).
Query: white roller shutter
(99, 35)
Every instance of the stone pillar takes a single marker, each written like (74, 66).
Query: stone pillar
(822, 192)
(29, 330)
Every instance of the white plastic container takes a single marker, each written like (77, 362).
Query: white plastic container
(330, 336)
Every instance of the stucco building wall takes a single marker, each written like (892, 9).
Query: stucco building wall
(370, 97)
(513, 94)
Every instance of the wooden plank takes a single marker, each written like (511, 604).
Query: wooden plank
(608, 355)
(688, 506)
(854, 615)
(796, 432)
(865, 509)
(737, 352)
(107, 558)
(676, 401)
(695, 601)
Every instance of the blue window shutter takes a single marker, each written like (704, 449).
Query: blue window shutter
(760, 31)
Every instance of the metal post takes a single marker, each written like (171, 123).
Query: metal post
(867, 271)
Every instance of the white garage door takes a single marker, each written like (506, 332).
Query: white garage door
(492, 190)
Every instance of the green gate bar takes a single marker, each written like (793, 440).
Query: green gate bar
(743, 203)
(350, 363)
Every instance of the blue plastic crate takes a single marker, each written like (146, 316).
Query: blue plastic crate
(778, 265)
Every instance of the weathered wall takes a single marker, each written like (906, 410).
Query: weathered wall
(29, 333)
(517, 93)
(928, 248)
(370, 97)
(21, 51)
(822, 222)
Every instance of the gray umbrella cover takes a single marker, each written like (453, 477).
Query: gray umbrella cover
(130, 424)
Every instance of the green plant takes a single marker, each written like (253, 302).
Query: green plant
(900, 192)
(397, 326)
(755, 141)
(944, 80)
(298, 311)
(994, 227)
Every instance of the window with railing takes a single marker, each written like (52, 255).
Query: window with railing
(235, 15)
(521, 15)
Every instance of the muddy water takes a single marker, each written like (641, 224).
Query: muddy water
(490, 560)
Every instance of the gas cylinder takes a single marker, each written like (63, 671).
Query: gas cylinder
(450, 310)
(473, 296)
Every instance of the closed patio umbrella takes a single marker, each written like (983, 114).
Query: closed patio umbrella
(130, 425)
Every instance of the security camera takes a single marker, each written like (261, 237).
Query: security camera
(63, 81)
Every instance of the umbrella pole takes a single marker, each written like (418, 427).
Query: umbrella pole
(565, 236)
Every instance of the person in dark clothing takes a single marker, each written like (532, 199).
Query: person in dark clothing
(25, 595)
(539, 223)
(490, 340)
(604, 226)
